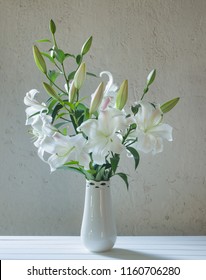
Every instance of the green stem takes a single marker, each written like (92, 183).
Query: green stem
(67, 82)
(131, 143)
(74, 122)
(55, 44)
(65, 119)
(77, 95)
(145, 91)
(56, 85)
(73, 119)
(57, 66)
(54, 39)
(125, 136)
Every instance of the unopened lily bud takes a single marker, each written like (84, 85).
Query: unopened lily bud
(39, 60)
(49, 89)
(96, 98)
(166, 107)
(122, 95)
(80, 76)
(86, 46)
(151, 77)
(52, 26)
(72, 93)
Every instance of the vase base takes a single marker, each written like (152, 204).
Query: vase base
(99, 246)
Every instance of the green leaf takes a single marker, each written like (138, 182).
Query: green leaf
(107, 175)
(100, 174)
(124, 178)
(39, 60)
(87, 174)
(81, 106)
(86, 46)
(114, 162)
(132, 126)
(69, 55)
(91, 74)
(59, 54)
(49, 89)
(55, 111)
(166, 107)
(51, 105)
(79, 59)
(53, 75)
(135, 155)
(151, 77)
(81, 113)
(62, 116)
(64, 131)
(52, 26)
(71, 105)
(71, 76)
(135, 109)
(48, 56)
(73, 162)
(43, 41)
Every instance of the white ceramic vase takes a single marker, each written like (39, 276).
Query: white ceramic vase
(98, 231)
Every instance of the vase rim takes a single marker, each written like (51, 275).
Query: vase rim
(94, 181)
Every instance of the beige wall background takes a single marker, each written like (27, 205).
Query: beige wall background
(167, 194)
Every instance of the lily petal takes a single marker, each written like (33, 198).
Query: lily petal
(163, 130)
(150, 130)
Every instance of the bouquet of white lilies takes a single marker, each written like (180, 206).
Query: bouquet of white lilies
(90, 139)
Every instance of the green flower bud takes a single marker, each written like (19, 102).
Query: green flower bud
(52, 26)
(39, 60)
(122, 95)
(166, 107)
(151, 77)
(86, 47)
(96, 98)
(80, 76)
(49, 89)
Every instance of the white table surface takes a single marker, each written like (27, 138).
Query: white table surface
(126, 248)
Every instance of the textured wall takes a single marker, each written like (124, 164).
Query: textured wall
(167, 193)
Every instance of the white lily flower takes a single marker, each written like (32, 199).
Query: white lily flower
(41, 123)
(110, 91)
(64, 149)
(103, 137)
(150, 129)
(34, 106)
(42, 127)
